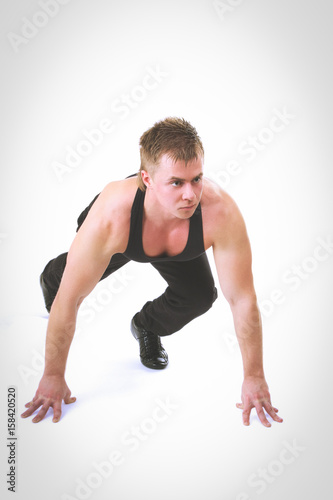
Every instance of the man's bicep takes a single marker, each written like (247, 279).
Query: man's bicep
(87, 260)
(233, 261)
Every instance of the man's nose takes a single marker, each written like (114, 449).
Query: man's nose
(188, 193)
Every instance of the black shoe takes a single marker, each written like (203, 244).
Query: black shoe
(152, 353)
(48, 297)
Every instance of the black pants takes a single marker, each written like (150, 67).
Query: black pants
(190, 292)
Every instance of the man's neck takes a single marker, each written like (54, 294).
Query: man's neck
(155, 213)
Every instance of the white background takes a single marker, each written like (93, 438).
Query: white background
(226, 72)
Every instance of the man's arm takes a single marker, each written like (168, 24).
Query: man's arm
(87, 260)
(232, 254)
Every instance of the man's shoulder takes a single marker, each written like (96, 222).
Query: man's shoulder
(216, 200)
(109, 218)
(122, 190)
(117, 197)
(221, 215)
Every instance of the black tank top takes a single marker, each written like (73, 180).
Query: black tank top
(134, 251)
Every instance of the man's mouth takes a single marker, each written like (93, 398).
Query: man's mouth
(188, 207)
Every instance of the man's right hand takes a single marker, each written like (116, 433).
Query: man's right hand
(51, 391)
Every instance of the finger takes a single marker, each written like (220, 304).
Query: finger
(262, 416)
(240, 405)
(41, 414)
(68, 400)
(272, 412)
(56, 411)
(34, 399)
(32, 407)
(246, 414)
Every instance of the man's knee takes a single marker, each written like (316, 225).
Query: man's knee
(200, 299)
(205, 299)
(51, 277)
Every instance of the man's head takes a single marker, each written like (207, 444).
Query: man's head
(174, 137)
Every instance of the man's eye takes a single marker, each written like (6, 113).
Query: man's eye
(176, 183)
(197, 179)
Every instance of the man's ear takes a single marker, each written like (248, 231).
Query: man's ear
(146, 178)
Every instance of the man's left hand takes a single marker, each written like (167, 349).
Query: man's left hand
(255, 394)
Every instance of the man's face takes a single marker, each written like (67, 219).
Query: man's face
(176, 188)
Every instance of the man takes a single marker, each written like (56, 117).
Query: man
(168, 215)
